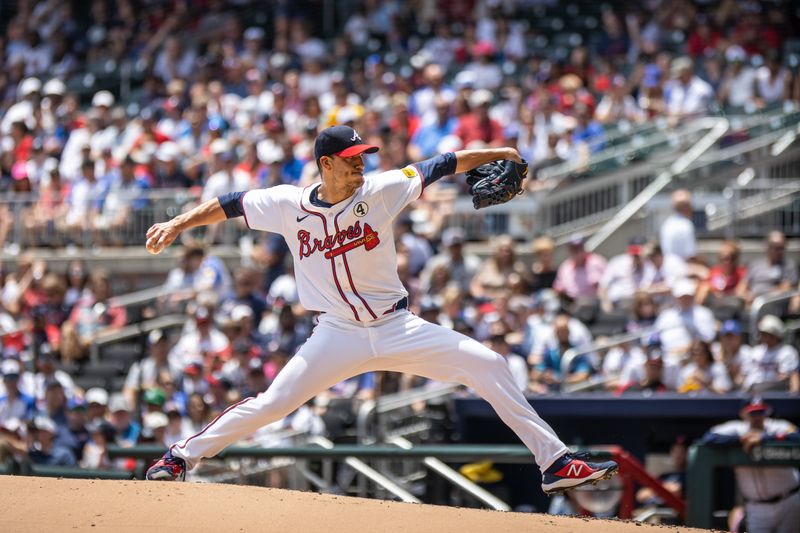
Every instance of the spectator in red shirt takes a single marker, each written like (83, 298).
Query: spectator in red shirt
(703, 39)
(476, 125)
(726, 278)
(402, 122)
(23, 141)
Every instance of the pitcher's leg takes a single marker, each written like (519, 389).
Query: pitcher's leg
(327, 358)
(439, 353)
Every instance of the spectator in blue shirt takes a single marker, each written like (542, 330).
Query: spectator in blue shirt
(548, 372)
(588, 131)
(425, 142)
(14, 404)
(45, 450)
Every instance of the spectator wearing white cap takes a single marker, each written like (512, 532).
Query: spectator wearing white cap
(53, 95)
(45, 450)
(169, 171)
(462, 266)
(687, 95)
(96, 400)
(103, 99)
(13, 403)
(154, 426)
(738, 88)
(13, 435)
(684, 322)
(772, 364)
(28, 94)
(127, 429)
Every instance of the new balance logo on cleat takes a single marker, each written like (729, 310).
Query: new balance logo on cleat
(571, 470)
(575, 469)
(168, 468)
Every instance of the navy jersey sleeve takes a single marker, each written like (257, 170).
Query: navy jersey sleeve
(437, 167)
(232, 204)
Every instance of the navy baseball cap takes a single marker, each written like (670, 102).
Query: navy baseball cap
(731, 327)
(342, 141)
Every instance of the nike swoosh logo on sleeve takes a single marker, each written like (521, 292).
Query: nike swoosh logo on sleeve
(300, 219)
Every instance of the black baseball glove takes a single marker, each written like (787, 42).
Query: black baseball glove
(496, 183)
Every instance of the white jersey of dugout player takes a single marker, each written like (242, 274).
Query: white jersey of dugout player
(762, 483)
(328, 242)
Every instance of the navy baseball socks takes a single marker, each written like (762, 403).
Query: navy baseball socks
(572, 470)
(168, 468)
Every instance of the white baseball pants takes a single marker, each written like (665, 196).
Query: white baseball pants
(402, 342)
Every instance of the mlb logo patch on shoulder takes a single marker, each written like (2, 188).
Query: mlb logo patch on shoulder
(410, 172)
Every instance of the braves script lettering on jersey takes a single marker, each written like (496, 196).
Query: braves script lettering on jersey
(357, 231)
(345, 264)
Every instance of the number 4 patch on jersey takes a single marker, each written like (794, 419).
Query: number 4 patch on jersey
(410, 172)
(361, 209)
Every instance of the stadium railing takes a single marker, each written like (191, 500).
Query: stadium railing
(27, 468)
(716, 128)
(632, 472)
(742, 202)
(374, 416)
(134, 331)
(589, 204)
(621, 176)
(766, 304)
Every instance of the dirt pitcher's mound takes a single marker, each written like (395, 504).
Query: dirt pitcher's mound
(42, 504)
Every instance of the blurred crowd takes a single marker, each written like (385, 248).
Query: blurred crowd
(225, 106)
(687, 325)
(214, 103)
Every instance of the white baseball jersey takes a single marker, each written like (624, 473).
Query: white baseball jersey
(764, 366)
(344, 256)
(759, 482)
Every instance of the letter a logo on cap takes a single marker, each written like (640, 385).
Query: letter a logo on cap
(355, 137)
